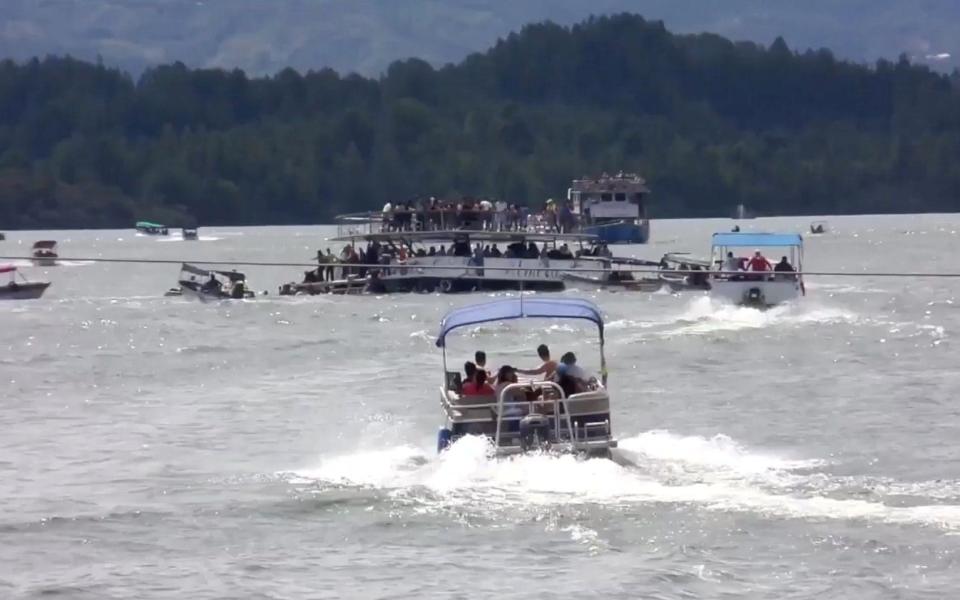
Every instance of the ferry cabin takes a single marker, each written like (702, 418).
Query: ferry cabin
(611, 207)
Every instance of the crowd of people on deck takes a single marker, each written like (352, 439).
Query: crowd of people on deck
(477, 215)
(756, 268)
(480, 381)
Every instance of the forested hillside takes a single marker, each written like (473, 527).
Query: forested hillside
(708, 122)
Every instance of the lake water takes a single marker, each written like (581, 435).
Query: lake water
(285, 447)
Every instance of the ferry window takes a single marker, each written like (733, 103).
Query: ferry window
(621, 197)
(606, 197)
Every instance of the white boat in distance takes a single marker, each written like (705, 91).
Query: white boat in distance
(531, 415)
(519, 262)
(758, 288)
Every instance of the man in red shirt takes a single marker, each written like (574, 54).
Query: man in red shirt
(758, 263)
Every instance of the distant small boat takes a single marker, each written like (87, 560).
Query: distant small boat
(45, 253)
(23, 289)
(189, 233)
(150, 228)
(818, 227)
(3, 236)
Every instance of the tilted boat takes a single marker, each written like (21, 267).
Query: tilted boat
(23, 289)
(44, 253)
(752, 287)
(207, 284)
(530, 415)
(150, 228)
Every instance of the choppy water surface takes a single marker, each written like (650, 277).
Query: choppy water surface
(284, 448)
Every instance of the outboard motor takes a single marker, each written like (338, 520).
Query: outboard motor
(755, 297)
(534, 432)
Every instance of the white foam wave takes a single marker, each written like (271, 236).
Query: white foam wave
(712, 473)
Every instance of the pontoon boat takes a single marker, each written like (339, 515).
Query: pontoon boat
(778, 281)
(531, 415)
(45, 253)
(206, 284)
(148, 228)
(23, 289)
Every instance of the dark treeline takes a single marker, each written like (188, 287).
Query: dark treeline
(710, 123)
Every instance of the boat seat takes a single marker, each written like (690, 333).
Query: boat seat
(588, 403)
(461, 406)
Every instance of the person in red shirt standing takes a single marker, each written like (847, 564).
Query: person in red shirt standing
(759, 263)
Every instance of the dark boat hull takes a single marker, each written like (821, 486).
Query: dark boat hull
(23, 291)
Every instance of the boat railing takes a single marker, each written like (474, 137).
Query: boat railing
(559, 402)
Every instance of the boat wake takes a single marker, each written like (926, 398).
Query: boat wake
(655, 467)
(703, 316)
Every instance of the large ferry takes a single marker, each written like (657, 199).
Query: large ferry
(463, 260)
(611, 207)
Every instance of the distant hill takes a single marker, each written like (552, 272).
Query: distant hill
(263, 37)
(709, 122)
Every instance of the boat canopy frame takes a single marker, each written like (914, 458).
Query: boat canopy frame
(523, 308)
(233, 276)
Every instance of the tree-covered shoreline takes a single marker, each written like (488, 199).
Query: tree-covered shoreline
(708, 122)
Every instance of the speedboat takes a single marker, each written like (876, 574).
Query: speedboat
(45, 253)
(23, 289)
(150, 228)
(531, 415)
(758, 288)
(205, 284)
(189, 233)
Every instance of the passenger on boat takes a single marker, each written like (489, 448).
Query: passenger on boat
(532, 251)
(547, 368)
(784, 266)
(495, 252)
(759, 264)
(477, 386)
(480, 358)
(505, 376)
(442, 251)
(731, 263)
(212, 285)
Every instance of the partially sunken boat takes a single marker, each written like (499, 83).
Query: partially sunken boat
(207, 284)
(568, 414)
(465, 261)
(22, 289)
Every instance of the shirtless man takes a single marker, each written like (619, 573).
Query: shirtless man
(547, 368)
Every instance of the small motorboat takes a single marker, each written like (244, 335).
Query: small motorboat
(189, 233)
(150, 228)
(681, 272)
(767, 286)
(528, 416)
(44, 253)
(818, 227)
(23, 289)
(3, 236)
(205, 284)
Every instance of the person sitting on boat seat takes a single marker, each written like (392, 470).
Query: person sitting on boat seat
(507, 375)
(569, 369)
(759, 264)
(469, 369)
(477, 385)
(731, 265)
(782, 267)
(480, 358)
(547, 368)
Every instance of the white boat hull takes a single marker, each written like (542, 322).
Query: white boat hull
(755, 293)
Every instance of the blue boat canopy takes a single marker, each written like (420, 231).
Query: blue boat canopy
(517, 308)
(756, 240)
